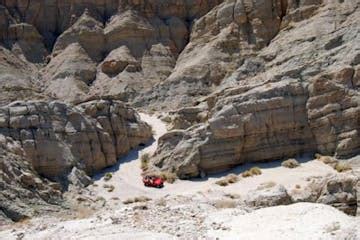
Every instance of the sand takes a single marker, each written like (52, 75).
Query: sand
(128, 182)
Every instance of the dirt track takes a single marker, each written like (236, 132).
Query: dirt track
(127, 175)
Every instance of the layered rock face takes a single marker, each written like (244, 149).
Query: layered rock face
(297, 95)
(23, 192)
(57, 137)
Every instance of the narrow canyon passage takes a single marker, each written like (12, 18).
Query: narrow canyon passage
(127, 181)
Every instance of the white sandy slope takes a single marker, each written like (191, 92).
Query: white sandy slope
(299, 221)
(296, 222)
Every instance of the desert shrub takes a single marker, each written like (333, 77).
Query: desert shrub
(136, 200)
(128, 201)
(255, 171)
(342, 167)
(141, 207)
(232, 178)
(100, 198)
(222, 182)
(142, 199)
(229, 179)
(169, 177)
(107, 176)
(246, 174)
(252, 172)
(161, 202)
(327, 160)
(232, 195)
(290, 163)
(109, 187)
(145, 159)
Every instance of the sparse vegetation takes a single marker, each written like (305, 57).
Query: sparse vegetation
(107, 176)
(229, 179)
(342, 167)
(142, 199)
(136, 200)
(169, 177)
(327, 160)
(100, 198)
(232, 178)
(222, 182)
(128, 201)
(246, 174)
(109, 187)
(161, 202)
(254, 171)
(145, 159)
(232, 195)
(141, 207)
(290, 163)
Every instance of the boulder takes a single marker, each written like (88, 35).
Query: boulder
(268, 196)
(118, 60)
(341, 192)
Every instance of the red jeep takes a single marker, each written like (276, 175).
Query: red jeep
(151, 181)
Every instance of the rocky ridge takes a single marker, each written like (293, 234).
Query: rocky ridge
(282, 102)
(151, 33)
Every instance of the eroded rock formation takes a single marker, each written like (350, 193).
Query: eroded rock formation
(154, 33)
(57, 137)
(297, 95)
(23, 192)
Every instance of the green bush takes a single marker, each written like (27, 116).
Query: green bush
(290, 163)
(327, 160)
(232, 178)
(110, 188)
(145, 159)
(222, 182)
(229, 179)
(168, 176)
(136, 200)
(255, 171)
(252, 172)
(342, 167)
(107, 176)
